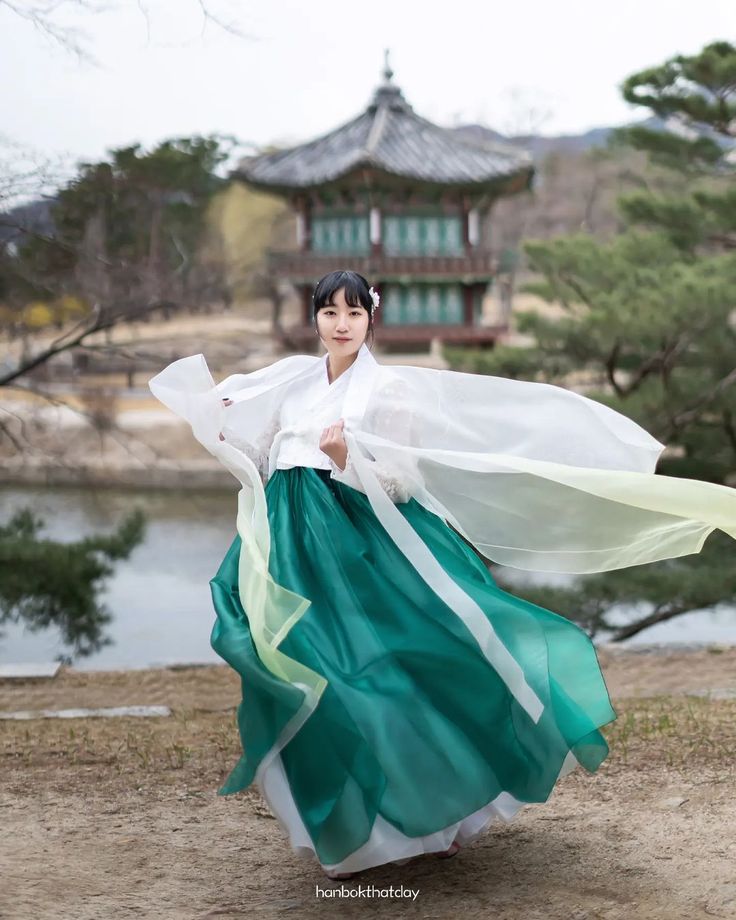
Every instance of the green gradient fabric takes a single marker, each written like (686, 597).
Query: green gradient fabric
(414, 723)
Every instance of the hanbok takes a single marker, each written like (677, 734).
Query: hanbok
(394, 697)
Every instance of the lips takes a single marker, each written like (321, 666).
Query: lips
(337, 339)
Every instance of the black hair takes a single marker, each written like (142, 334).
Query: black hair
(357, 294)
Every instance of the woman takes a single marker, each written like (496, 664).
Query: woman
(395, 700)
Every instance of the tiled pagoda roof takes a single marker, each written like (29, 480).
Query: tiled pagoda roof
(390, 137)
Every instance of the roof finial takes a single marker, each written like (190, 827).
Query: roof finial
(387, 72)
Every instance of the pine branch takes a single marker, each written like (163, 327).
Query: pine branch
(693, 411)
(660, 614)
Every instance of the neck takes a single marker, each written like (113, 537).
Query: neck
(338, 365)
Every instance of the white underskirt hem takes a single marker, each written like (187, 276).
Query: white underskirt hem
(386, 844)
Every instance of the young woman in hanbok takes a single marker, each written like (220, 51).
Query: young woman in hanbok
(395, 700)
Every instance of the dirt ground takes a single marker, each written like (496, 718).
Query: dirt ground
(114, 818)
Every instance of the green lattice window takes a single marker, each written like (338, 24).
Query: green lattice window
(407, 234)
(413, 304)
(340, 234)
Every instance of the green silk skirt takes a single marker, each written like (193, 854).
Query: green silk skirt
(415, 728)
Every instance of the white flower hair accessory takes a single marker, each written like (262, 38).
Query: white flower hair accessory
(375, 298)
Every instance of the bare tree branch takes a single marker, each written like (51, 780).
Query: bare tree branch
(56, 240)
(209, 16)
(100, 321)
(41, 14)
(27, 175)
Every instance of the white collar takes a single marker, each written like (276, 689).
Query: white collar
(364, 354)
(360, 383)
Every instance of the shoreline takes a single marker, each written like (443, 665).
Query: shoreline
(605, 649)
(633, 671)
(194, 477)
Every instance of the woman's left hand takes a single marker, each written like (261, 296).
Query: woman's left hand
(332, 443)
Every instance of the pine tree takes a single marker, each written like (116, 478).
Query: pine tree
(47, 583)
(650, 320)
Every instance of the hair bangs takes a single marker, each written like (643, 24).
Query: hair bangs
(355, 287)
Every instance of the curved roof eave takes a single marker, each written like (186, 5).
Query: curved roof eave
(487, 183)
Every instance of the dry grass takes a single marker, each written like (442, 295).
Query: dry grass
(193, 747)
(689, 733)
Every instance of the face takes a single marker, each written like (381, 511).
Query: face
(342, 328)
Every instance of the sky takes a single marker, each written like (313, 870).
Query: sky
(299, 69)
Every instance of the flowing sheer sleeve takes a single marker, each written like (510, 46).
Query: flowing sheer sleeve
(259, 450)
(391, 418)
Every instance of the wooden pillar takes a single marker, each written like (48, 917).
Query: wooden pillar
(466, 237)
(307, 305)
(374, 218)
(377, 315)
(468, 304)
(473, 227)
(304, 225)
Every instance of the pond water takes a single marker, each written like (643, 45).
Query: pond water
(160, 597)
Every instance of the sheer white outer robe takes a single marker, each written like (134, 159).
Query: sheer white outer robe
(535, 476)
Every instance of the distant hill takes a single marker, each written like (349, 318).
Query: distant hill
(539, 145)
(36, 216)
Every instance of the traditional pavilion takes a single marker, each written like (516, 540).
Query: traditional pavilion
(404, 202)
